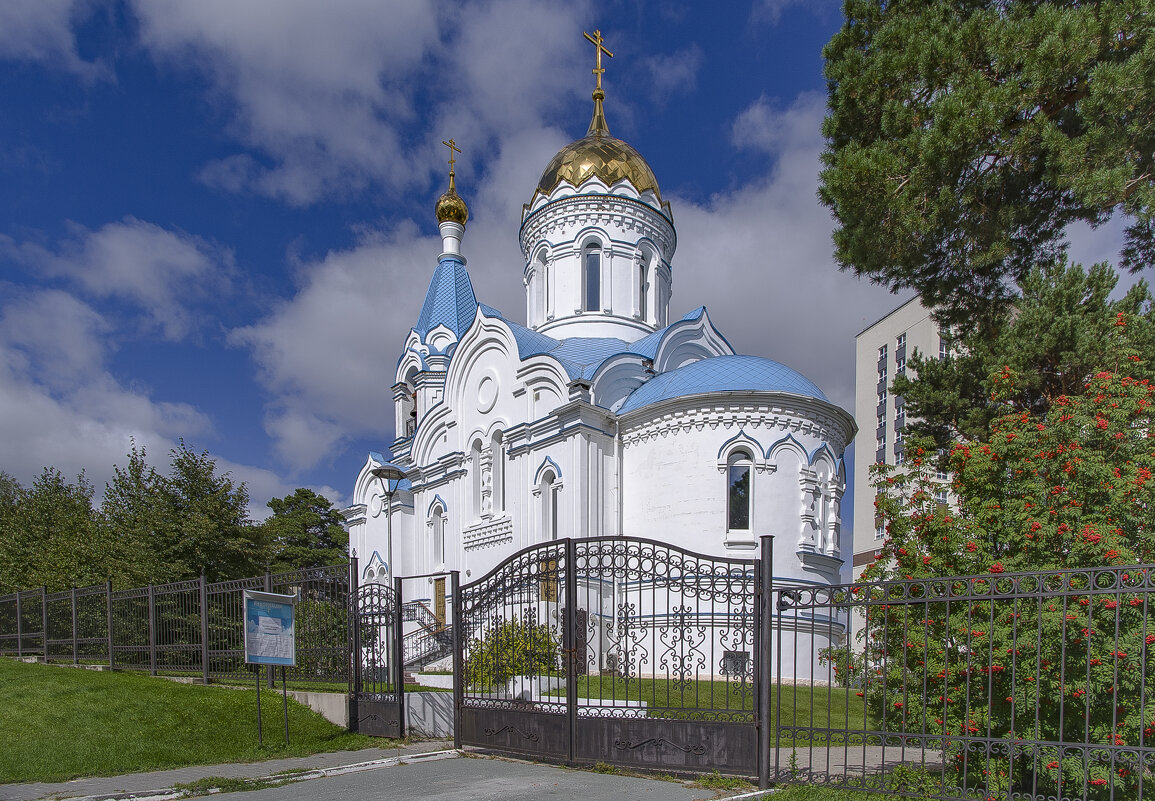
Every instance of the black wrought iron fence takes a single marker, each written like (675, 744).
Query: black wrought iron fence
(1024, 686)
(188, 627)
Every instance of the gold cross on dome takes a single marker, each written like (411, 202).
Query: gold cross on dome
(453, 148)
(599, 48)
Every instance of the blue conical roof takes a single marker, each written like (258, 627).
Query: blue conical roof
(449, 301)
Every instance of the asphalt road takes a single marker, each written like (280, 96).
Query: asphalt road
(468, 779)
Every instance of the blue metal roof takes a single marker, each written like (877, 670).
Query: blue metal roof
(722, 374)
(449, 301)
(582, 356)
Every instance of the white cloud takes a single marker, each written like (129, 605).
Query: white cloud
(41, 31)
(774, 289)
(59, 405)
(770, 11)
(323, 94)
(327, 355)
(673, 73)
(166, 274)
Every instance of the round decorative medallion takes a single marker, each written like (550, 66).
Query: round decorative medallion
(486, 393)
(376, 505)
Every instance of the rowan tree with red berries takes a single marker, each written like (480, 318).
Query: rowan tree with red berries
(1056, 496)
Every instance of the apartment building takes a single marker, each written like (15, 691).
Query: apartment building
(880, 353)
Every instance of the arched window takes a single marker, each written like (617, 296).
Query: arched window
(438, 534)
(497, 448)
(739, 491)
(643, 283)
(592, 283)
(475, 478)
(549, 506)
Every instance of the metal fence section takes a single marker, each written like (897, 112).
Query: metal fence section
(186, 628)
(1024, 686)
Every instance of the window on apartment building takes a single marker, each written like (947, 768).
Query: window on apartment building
(882, 353)
(900, 366)
(940, 471)
(940, 497)
(900, 343)
(943, 345)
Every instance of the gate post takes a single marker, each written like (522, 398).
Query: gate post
(151, 629)
(44, 620)
(204, 588)
(569, 640)
(458, 667)
(75, 651)
(108, 612)
(19, 628)
(763, 634)
(399, 649)
(354, 629)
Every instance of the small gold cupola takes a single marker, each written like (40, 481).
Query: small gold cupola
(451, 206)
(452, 213)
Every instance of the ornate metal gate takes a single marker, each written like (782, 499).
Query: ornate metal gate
(619, 650)
(377, 705)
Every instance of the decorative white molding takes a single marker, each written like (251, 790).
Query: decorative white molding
(487, 535)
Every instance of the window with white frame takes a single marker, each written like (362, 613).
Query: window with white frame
(739, 490)
(475, 478)
(497, 452)
(548, 491)
(438, 536)
(592, 278)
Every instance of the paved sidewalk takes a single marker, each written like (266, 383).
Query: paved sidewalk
(152, 782)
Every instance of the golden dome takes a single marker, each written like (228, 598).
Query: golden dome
(451, 206)
(598, 154)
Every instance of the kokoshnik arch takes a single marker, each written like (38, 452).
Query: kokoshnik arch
(601, 416)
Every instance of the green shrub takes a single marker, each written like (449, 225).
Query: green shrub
(512, 648)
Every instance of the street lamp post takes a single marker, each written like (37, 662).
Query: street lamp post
(390, 475)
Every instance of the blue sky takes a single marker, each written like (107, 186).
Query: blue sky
(216, 216)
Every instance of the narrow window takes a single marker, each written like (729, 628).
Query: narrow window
(548, 507)
(738, 490)
(438, 537)
(643, 268)
(497, 448)
(593, 279)
(475, 478)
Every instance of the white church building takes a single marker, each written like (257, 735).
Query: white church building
(600, 416)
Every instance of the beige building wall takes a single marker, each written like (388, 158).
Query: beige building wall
(880, 353)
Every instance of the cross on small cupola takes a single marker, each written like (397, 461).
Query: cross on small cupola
(450, 206)
(598, 124)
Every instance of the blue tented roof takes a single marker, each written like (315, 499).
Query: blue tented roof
(722, 374)
(449, 301)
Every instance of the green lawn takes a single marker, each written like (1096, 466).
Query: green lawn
(821, 707)
(59, 723)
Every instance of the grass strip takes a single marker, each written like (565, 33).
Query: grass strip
(58, 724)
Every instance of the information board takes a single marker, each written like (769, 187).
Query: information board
(270, 637)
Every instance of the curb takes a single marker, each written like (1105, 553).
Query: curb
(169, 794)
